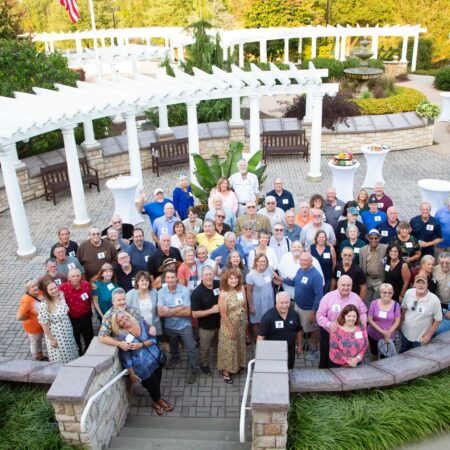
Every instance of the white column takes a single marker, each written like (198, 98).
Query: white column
(308, 108)
(133, 148)
(14, 156)
(414, 53)
(52, 46)
(194, 143)
(343, 45)
(163, 129)
(102, 40)
(147, 40)
(236, 120)
(166, 42)
(314, 173)
(241, 55)
(134, 67)
(225, 53)
(263, 51)
(180, 53)
(79, 46)
(76, 183)
(89, 136)
(336, 48)
(25, 247)
(300, 49)
(255, 138)
(375, 46)
(47, 48)
(404, 49)
(286, 51)
(313, 47)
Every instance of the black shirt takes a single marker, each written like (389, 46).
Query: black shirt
(202, 299)
(127, 231)
(226, 228)
(354, 272)
(123, 280)
(71, 249)
(156, 260)
(342, 228)
(274, 328)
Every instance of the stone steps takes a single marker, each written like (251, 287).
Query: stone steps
(148, 432)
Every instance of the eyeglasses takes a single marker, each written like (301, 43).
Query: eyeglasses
(251, 206)
(95, 234)
(317, 215)
(118, 221)
(386, 292)
(278, 229)
(414, 306)
(347, 254)
(373, 238)
(248, 229)
(220, 217)
(270, 203)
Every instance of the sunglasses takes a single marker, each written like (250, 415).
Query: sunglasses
(414, 306)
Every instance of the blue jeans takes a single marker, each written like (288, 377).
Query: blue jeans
(408, 345)
(189, 344)
(444, 325)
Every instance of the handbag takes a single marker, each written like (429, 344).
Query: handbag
(386, 348)
(162, 358)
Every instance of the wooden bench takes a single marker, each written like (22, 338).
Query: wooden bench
(168, 153)
(56, 178)
(292, 142)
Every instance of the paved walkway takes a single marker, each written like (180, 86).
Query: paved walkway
(209, 397)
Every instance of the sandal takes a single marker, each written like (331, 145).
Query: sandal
(227, 379)
(159, 409)
(168, 406)
(241, 371)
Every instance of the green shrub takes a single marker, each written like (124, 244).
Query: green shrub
(406, 99)
(442, 79)
(428, 110)
(335, 67)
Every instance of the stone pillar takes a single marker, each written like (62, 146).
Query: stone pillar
(308, 108)
(336, 48)
(270, 396)
(314, 173)
(76, 183)
(194, 144)
(255, 138)
(25, 247)
(263, 51)
(133, 148)
(313, 47)
(405, 49)
(343, 49)
(241, 55)
(163, 130)
(414, 54)
(286, 51)
(89, 138)
(236, 121)
(375, 46)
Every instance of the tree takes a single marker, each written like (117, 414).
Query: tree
(9, 20)
(362, 12)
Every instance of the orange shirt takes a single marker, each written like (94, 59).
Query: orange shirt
(302, 222)
(29, 308)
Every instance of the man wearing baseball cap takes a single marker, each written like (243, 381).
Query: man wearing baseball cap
(373, 217)
(153, 209)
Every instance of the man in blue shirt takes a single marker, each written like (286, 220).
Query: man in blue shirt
(333, 208)
(388, 229)
(284, 198)
(373, 216)
(308, 285)
(426, 229)
(164, 224)
(174, 304)
(154, 209)
(443, 216)
(140, 250)
(226, 248)
(291, 230)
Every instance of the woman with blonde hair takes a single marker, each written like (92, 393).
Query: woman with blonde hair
(183, 197)
(223, 188)
(362, 199)
(54, 319)
(426, 270)
(28, 315)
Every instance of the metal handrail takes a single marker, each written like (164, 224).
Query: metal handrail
(244, 406)
(90, 402)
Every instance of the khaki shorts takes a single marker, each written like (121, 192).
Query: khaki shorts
(303, 314)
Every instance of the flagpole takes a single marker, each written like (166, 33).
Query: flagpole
(94, 31)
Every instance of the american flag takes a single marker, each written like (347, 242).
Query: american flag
(72, 8)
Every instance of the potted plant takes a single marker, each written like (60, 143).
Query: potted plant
(428, 110)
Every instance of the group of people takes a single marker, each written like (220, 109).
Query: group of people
(345, 276)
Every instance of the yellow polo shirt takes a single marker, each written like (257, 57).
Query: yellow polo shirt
(210, 244)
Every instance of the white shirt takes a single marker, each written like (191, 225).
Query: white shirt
(308, 233)
(271, 256)
(246, 188)
(276, 216)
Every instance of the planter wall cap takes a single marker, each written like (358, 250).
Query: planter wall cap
(363, 377)
(97, 362)
(19, 369)
(71, 384)
(97, 348)
(270, 366)
(45, 375)
(272, 350)
(270, 391)
(314, 380)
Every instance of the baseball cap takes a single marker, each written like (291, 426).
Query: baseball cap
(373, 232)
(421, 278)
(373, 199)
(353, 210)
(157, 190)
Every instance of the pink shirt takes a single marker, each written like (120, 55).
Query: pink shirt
(348, 344)
(229, 199)
(332, 304)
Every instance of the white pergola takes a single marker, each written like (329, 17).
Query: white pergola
(29, 115)
(176, 38)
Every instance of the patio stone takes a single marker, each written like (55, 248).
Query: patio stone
(413, 119)
(438, 352)
(314, 380)
(271, 350)
(363, 377)
(110, 146)
(19, 369)
(381, 123)
(398, 121)
(180, 132)
(46, 375)
(146, 138)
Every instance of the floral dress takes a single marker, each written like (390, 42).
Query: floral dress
(61, 328)
(232, 353)
(348, 344)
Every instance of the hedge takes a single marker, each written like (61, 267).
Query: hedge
(442, 80)
(406, 99)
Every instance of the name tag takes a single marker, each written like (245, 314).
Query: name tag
(255, 241)
(72, 253)
(326, 256)
(216, 291)
(279, 324)
(430, 227)
(358, 335)
(335, 308)
(84, 296)
(338, 273)
(57, 282)
(71, 266)
(268, 279)
(420, 309)
(164, 285)
(382, 314)
(377, 219)
(285, 201)
(380, 205)
(101, 255)
(304, 280)
(387, 268)
(178, 301)
(191, 194)
(276, 216)
(129, 338)
(133, 280)
(384, 233)
(110, 286)
(409, 245)
(337, 208)
(240, 296)
(191, 284)
(356, 250)
(146, 258)
(164, 230)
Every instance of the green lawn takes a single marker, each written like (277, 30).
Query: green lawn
(379, 419)
(27, 421)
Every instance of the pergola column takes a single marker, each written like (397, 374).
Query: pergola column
(314, 173)
(163, 129)
(263, 51)
(181, 53)
(75, 180)
(78, 46)
(225, 53)
(25, 247)
(236, 120)
(241, 55)
(313, 47)
(308, 108)
(300, 49)
(194, 143)
(133, 147)
(414, 53)
(286, 51)
(14, 156)
(343, 45)
(375, 46)
(255, 139)
(89, 136)
(336, 48)
(404, 49)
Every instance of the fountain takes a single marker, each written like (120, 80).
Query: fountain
(363, 73)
